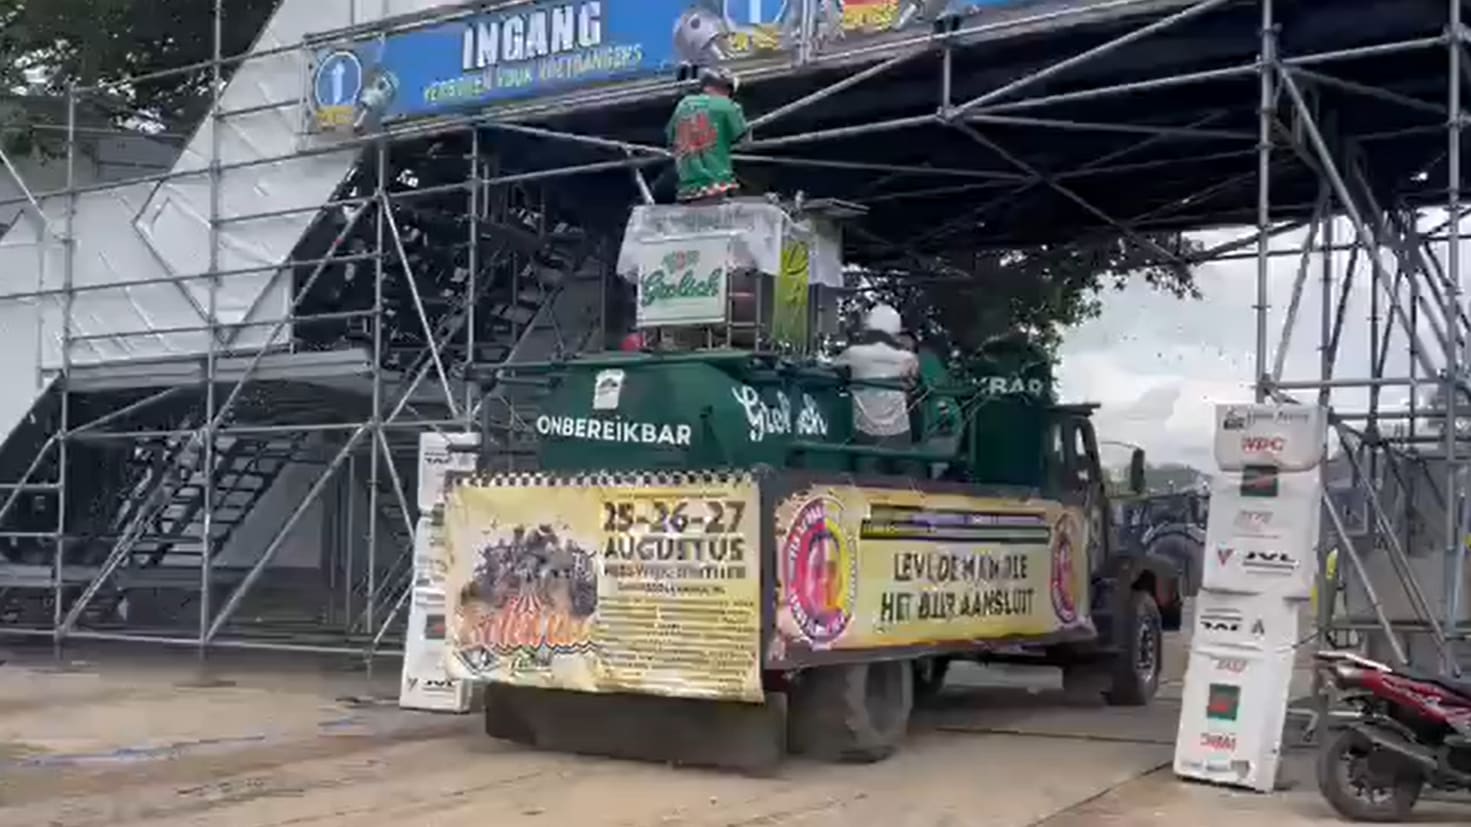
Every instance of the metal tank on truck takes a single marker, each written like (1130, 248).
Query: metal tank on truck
(705, 561)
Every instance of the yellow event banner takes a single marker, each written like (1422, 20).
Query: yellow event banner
(618, 583)
(867, 568)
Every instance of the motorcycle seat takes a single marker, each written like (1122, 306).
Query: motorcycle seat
(1460, 685)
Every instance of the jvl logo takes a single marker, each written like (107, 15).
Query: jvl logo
(1263, 444)
(1278, 560)
(1220, 624)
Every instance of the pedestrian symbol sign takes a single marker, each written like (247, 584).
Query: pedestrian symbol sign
(336, 85)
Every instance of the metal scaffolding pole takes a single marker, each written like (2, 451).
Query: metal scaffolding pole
(1455, 509)
(1266, 104)
(62, 448)
(207, 433)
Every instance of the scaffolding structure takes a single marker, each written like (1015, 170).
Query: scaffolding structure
(489, 237)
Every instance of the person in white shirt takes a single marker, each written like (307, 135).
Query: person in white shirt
(880, 414)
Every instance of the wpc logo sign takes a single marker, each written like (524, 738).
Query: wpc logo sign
(1263, 444)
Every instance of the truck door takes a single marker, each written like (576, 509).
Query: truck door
(1085, 477)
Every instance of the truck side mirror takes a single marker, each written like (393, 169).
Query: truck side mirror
(1136, 471)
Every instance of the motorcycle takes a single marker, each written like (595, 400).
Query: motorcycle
(1410, 731)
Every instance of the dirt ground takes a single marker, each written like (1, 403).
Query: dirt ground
(132, 738)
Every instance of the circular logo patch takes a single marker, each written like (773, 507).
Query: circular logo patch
(821, 571)
(1064, 541)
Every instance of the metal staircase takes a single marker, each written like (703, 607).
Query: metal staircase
(541, 310)
(159, 524)
(515, 276)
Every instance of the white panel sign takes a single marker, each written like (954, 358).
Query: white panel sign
(1262, 536)
(1245, 622)
(436, 458)
(425, 683)
(430, 566)
(1287, 437)
(1260, 561)
(1231, 717)
(1250, 566)
(682, 281)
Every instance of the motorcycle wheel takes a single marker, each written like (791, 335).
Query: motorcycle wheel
(1365, 784)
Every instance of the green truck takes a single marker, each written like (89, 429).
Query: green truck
(701, 564)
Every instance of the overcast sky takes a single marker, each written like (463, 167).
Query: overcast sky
(1159, 365)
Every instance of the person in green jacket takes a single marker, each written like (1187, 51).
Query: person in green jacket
(704, 128)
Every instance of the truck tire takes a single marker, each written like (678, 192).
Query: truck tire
(929, 677)
(1134, 677)
(855, 713)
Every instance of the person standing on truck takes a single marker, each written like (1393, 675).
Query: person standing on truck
(880, 414)
(702, 131)
(940, 416)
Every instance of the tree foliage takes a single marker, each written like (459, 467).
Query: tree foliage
(46, 46)
(1039, 291)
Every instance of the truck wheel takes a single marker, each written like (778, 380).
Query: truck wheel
(1135, 674)
(854, 713)
(929, 678)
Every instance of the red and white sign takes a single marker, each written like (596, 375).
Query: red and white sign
(1264, 545)
(1285, 437)
(1232, 712)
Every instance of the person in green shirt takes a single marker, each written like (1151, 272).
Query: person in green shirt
(704, 127)
(939, 413)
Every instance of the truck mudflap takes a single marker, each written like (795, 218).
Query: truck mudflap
(732, 735)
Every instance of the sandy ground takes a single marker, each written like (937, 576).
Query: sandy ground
(132, 739)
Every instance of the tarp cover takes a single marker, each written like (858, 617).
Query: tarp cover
(760, 229)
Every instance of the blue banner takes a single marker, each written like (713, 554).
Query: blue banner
(549, 48)
(558, 46)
